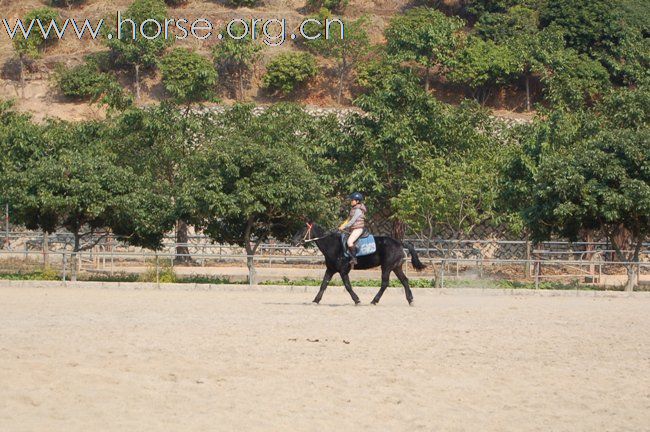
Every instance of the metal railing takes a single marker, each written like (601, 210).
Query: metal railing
(441, 271)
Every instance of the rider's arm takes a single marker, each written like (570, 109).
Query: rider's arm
(353, 219)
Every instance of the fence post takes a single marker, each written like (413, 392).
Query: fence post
(46, 248)
(157, 271)
(527, 272)
(7, 242)
(442, 274)
(64, 266)
(537, 270)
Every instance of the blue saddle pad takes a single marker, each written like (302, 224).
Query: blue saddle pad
(365, 245)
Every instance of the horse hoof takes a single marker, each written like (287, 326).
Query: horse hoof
(316, 302)
(374, 303)
(411, 303)
(357, 303)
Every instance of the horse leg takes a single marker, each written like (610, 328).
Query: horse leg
(323, 285)
(399, 272)
(348, 287)
(385, 277)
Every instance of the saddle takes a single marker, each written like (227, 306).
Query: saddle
(365, 244)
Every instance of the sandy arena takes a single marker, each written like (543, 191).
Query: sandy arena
(89, 359)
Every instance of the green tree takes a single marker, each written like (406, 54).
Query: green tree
(425, 36)
(20, 139)
(188, 77)
(451, 195)
(140, 52)
(504, 26)
(483, 66)
(159, 143)
(347, 51)
(243, 3)
(287, 71)
(573, 79)
(602, 184)
(332, 5)
(263, 165)
(584, 169)
(86, 82)
(236, 58)
(66, 3)
(74, 182)
(402, 125)
(176, 3)
(32, 46)
(588, 25)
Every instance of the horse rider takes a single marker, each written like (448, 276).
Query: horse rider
(355, 223)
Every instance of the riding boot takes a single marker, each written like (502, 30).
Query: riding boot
(353, 255)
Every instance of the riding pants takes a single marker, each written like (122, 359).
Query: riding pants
(354, 236)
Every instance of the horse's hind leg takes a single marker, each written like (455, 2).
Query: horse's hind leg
(323, 285)
(385, 278)
(399, 272)
(348, 287)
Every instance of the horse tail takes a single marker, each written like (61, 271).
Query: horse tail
(415, 260)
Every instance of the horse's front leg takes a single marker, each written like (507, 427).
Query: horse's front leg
(323, 285)
(348, 287)
(385, 279)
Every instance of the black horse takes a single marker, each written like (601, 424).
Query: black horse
(389, 255)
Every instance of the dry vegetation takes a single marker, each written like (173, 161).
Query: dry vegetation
(39, 98)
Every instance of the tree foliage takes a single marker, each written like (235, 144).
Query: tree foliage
(33, 45)
(236, 58)
(66, 3)
(484, 65)
(347, 51)
(85, 82)
(287, 71)
(140, 52)
(73, 182)
(188, 77)
(587, 170)
(425, 36)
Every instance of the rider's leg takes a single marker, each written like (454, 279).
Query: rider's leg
(354, 236)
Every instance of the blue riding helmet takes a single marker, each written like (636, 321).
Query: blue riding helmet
(356, 196)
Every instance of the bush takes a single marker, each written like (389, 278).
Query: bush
(35, 43)
(86, 82)
(188, 76)
(287, 71)
(66, 3)
(175, 3)
(243, 3)
(83, 82)
(166, 274)
(333, 5)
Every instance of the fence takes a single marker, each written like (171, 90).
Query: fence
(557, 264)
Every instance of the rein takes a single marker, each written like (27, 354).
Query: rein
(308, 233)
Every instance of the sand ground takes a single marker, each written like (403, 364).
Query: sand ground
(149, 360)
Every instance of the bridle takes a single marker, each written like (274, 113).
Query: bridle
(307, 238)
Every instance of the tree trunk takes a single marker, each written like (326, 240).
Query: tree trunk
(426, 79)
(250, 263)
(182, 240)
(632, 278)
(137, 82)
(74, 262)
(527, 92)
(241, 85)
(22, 76)
(344, 66)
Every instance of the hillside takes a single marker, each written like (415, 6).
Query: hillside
(40, 98)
